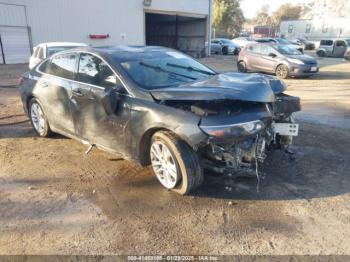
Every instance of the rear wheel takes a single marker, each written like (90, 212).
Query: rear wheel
(38, 119)
(282, 71)
(241, 67)
(174, 163)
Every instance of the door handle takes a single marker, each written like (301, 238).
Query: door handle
(77, 92)
(44, 84)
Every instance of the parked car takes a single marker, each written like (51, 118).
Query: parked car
(44, 50)
(160, 107)
(241, 41)
(347, 54)
(281, 41)
(307, 45)
(224, 46)
(333, 47)
(282, 60)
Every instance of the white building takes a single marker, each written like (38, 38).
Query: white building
(180, 24)
(316, 29)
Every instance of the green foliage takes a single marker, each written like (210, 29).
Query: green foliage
(286, 12)
(228, 17)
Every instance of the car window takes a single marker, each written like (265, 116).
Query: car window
(340, 43)
(254, 49)
(63, 65)
(266, 50)
(44, 66)
(93, 70)
(287, 50)
(41, 53)
(326, 42)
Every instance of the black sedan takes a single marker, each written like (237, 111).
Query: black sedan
(160, 107)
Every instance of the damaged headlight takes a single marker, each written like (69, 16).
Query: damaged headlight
(240, 129)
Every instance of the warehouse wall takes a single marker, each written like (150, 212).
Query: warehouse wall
(123, 20)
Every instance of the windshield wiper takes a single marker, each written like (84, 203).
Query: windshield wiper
(191, 68)
(158, 68)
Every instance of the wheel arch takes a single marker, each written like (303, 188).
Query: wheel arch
(145, 143)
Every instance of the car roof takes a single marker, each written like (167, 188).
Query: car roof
(124, 52)
(53, 44)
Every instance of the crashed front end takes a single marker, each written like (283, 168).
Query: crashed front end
(243, 115)
(238, 149)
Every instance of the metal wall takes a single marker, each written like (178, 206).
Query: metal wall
(319, 28)
(75, 20)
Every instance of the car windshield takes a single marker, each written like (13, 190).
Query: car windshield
(348, 41)
(226, 41)
(169, 69)
(287, 50)
(55, 49)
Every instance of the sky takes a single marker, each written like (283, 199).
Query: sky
(251, 7)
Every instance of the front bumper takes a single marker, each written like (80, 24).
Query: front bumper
(303, 70)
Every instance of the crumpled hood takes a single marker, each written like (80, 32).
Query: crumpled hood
(233, 86)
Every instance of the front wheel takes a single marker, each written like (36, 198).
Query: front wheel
(174, 163)
(282, 71)
(38, 119)
(241, 67)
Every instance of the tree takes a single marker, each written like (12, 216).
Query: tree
(286, 12)
(262, 17)
(228, 17)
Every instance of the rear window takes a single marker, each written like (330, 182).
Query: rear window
(62, 66)
(326, 42)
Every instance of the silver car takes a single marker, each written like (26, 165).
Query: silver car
(333, 47)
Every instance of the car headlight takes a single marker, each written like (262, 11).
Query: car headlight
(240, 129)
(295, 61)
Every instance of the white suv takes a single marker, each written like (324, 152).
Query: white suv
(44, 50)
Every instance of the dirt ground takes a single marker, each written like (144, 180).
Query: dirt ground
(54, 199)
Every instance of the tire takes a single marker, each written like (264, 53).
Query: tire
(225, 50)
(241, 67)
(38, 118)
(321, 53)
(189, 173)
(282, 71)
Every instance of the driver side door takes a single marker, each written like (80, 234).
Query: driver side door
(92, 122)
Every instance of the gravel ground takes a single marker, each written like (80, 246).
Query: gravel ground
(54, 199)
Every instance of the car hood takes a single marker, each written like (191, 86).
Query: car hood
(305, 58)
(233, 86)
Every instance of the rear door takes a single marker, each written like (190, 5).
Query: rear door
(94, 78)
(253, 57)
(53, 90)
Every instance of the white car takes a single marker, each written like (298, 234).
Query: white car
(241, 41)
(44, 50)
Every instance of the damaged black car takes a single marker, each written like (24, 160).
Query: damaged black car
(162, 108)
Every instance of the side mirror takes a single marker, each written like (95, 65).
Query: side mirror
(110, 101)
(273, 55)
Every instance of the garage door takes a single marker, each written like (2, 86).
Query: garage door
(187, 34)
(15, 44)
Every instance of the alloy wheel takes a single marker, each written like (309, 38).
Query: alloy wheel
(164, 165)
(37, 117)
